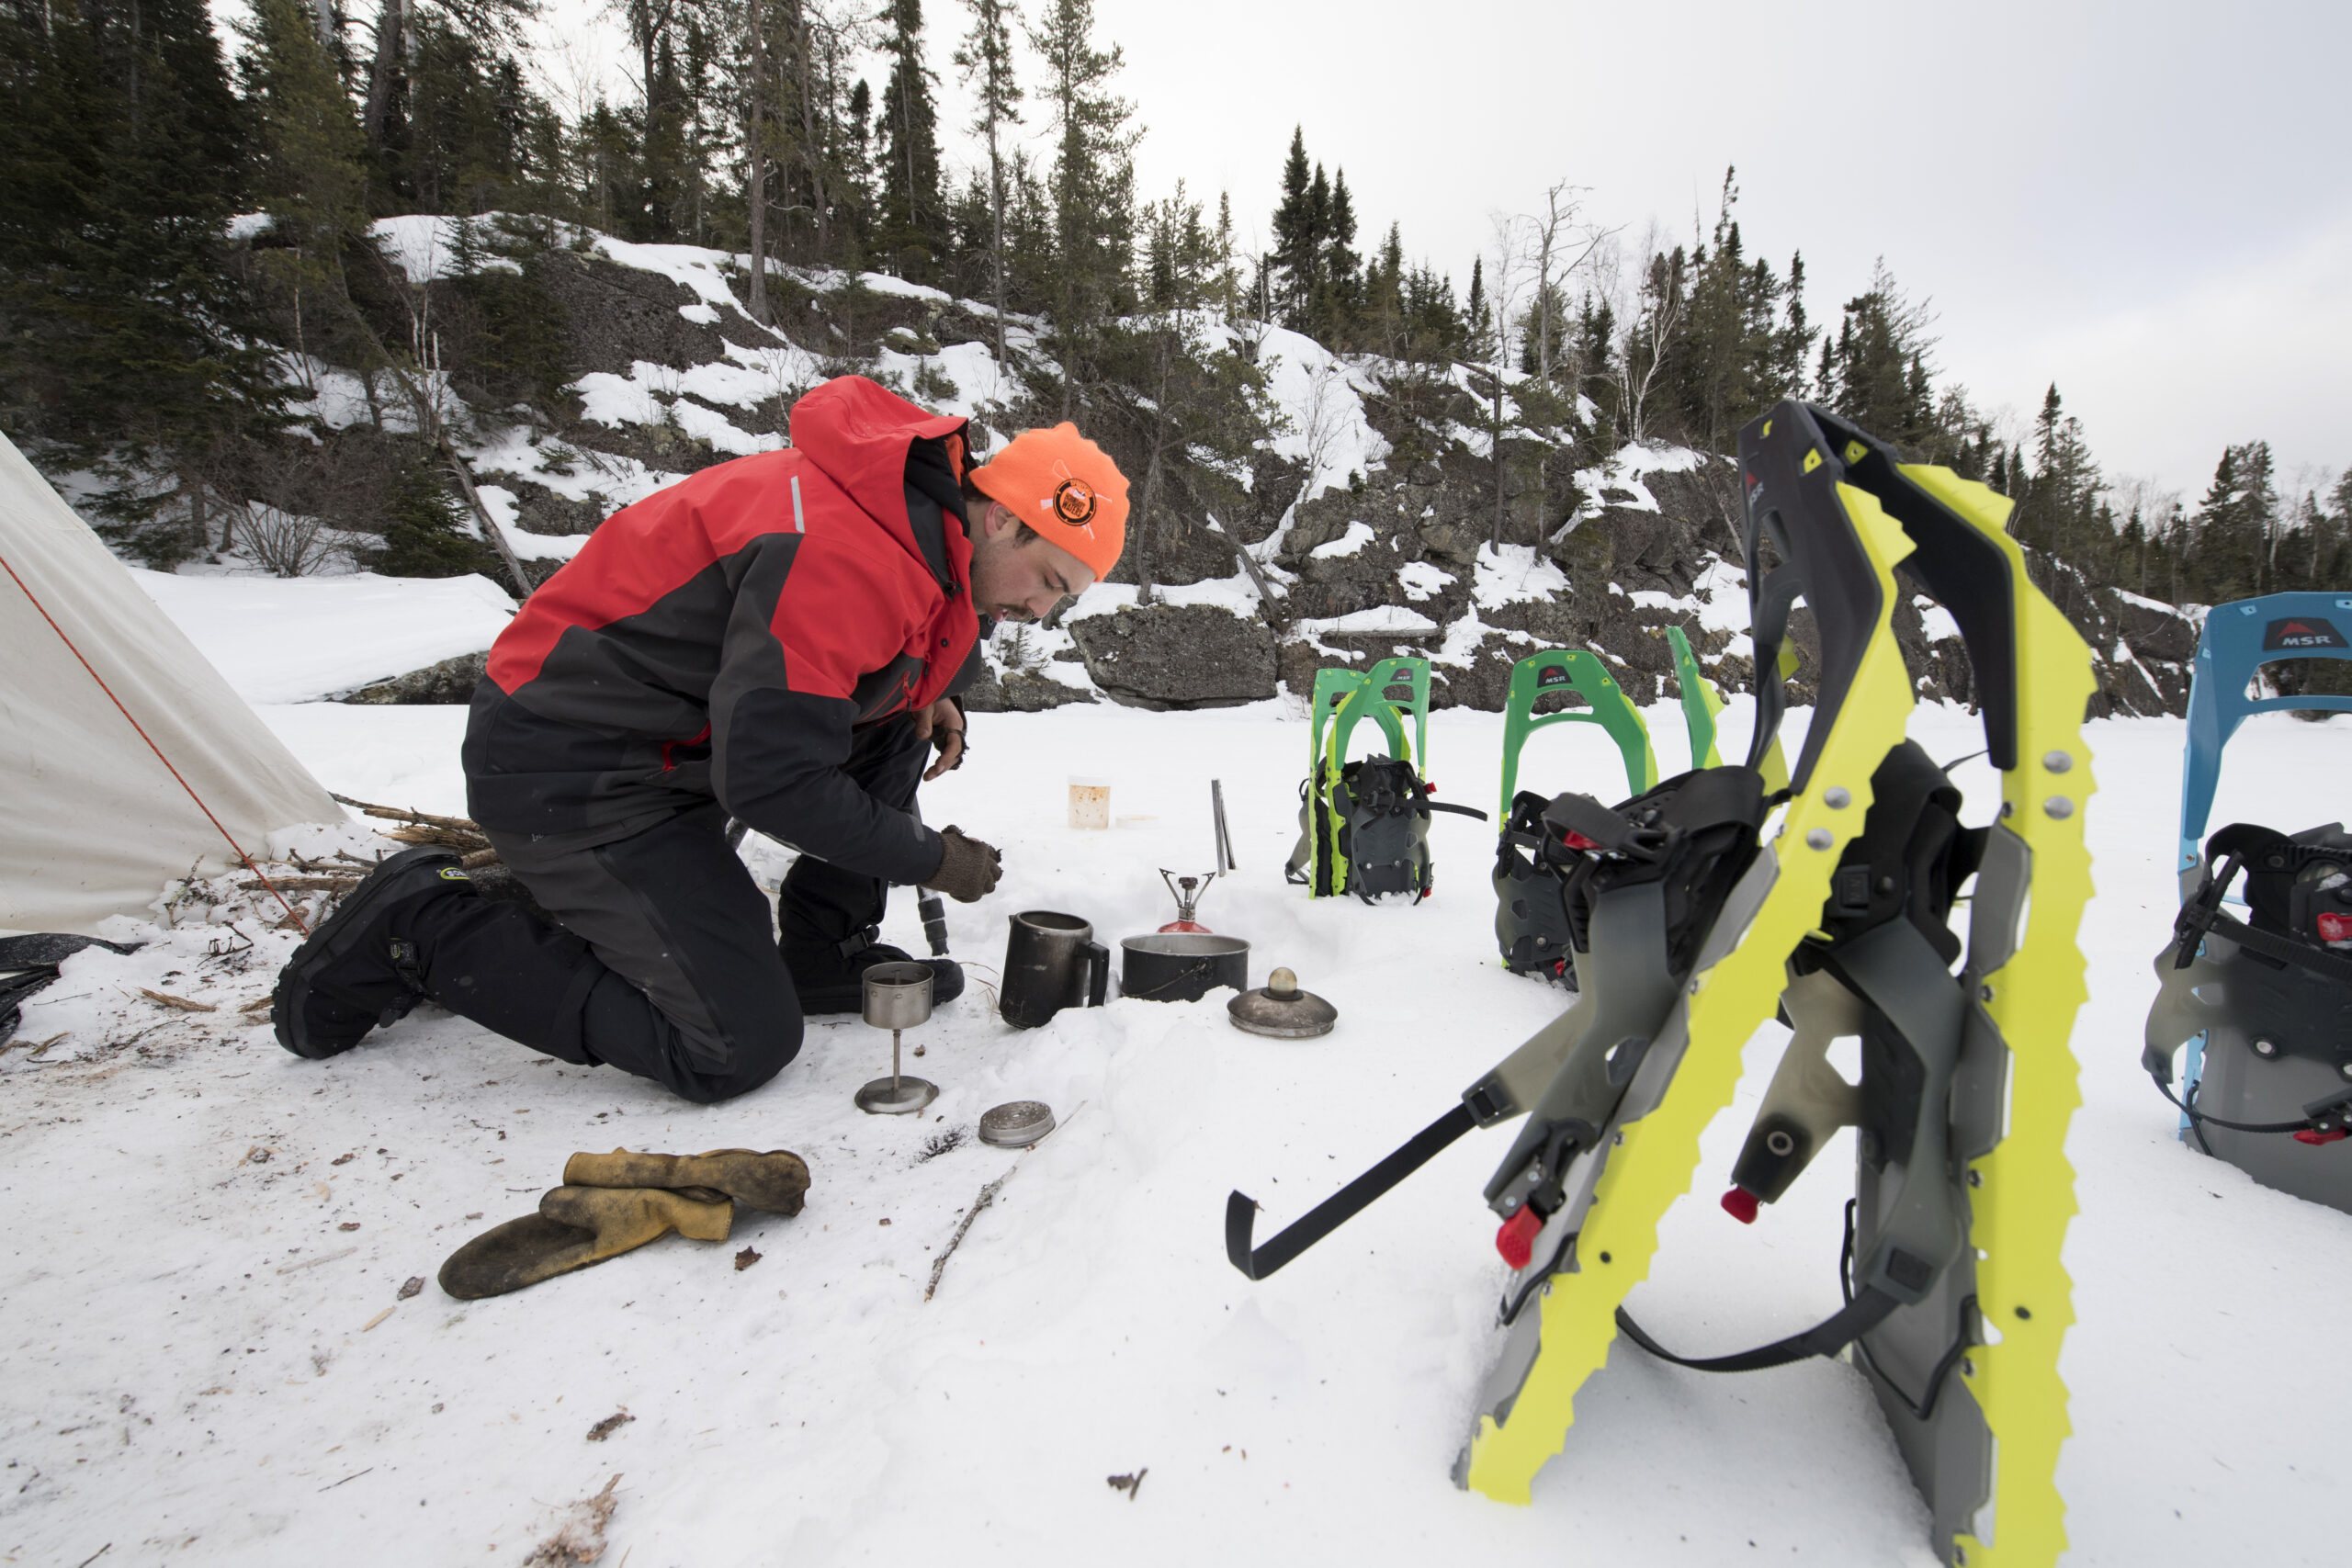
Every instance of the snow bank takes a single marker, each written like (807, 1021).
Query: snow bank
(1394, 618)
(698, 268)
(1622, 473)
(297, 639)
(1320, 397)
(425, 247)
(1423, 579)
(1351, 542)
(1509, 574)
(1233, 593)
(575, 473)
(505, 507)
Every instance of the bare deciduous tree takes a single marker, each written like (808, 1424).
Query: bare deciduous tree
(289, 544)
(1652, 318)
(1509, 277)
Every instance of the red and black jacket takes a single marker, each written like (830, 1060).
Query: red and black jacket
(724, 637)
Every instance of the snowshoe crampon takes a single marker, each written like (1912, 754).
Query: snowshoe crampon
(2263, 1003)
(1694, 921)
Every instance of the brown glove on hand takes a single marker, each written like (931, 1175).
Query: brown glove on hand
(967, 868)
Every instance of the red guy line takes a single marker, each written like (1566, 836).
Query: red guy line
(77, 652)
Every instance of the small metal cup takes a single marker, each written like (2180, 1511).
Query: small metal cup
(897, 996)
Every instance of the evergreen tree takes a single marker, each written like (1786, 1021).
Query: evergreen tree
(1796, 334)
(1876, 372)
(2226, 554)
(913, 235)
(653, 206)
(124, 340)
(1340, 280)
(424, 533)
(2059, 514)
(985, 59)
(1092, 188)
(1594, 355)
(1478, 319)
(1225, 290)
(1434, 330)
(1188, 413)
(1297, 247)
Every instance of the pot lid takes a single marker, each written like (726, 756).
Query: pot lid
(1016, 1123)
(1281, 1009)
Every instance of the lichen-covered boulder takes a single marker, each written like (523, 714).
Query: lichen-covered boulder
(1178, 656)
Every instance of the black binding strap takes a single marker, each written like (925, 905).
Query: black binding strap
(2323, 1114)
(2326, 965)
(1856, 1318)
(1861, 1313)
(1240, 1213)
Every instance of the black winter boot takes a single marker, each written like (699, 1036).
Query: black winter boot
(353, 973)
(832, 978)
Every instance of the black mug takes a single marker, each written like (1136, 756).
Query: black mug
(1051, 962)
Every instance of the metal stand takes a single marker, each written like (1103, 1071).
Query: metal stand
(897, 997)
(896, 1095)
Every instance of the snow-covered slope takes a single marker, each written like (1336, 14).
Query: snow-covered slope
(208, 1235)
(293, 639)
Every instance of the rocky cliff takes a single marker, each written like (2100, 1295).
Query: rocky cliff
(1366, 507)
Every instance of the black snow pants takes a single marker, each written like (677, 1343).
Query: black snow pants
(663, 965)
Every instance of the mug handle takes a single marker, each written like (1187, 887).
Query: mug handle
(1098, 959)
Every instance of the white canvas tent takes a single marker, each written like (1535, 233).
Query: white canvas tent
(116, 738)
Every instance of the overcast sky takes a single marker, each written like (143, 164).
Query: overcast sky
(2148, 203)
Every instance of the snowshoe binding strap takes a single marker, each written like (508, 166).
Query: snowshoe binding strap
(1883, 943)
(1531, 905)
(1240, 1213)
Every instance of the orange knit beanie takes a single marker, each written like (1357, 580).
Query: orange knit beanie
(1064, 487)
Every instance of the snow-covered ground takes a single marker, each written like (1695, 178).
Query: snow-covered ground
(208, 1234)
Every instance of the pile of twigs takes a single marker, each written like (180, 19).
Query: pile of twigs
(342, 872)
(422, 828)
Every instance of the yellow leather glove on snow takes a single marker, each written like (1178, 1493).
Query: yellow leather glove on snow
(771, 1182)
(577, 1226)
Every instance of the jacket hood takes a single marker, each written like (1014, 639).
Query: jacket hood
(858, 433)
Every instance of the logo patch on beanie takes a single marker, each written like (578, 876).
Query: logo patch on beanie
(1074, 502)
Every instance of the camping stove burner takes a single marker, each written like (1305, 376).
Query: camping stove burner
(1017, 1124)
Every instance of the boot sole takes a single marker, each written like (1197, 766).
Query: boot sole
(337, 935)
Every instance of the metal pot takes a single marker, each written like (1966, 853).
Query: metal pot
(1181, 967)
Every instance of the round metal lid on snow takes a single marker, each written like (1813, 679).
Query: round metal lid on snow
(1281, 1009)
(1016, 1123)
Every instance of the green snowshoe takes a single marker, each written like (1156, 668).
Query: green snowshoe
(1364, 825)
